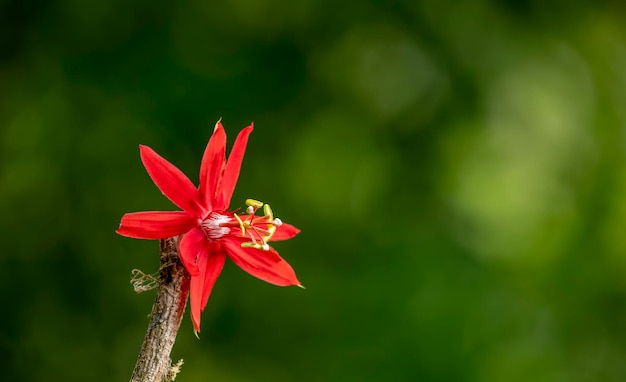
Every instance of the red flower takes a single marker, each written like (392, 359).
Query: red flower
(210, 231)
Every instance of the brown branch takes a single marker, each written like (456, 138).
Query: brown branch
(154, 363)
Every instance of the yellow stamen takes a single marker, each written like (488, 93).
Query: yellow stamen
(249, 244)
(268, 212)
(265, 234)
(243, 230)
(271, 229)
(254, 203)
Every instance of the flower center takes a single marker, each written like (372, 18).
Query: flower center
(215, 225)
(259, 229)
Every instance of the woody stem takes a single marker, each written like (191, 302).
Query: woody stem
(154, 363)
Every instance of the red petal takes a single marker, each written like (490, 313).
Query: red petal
(212, 166)
(210, 268)
(171, 181)
(284, 232)
(231, 172)
(193, 248)
(195, 297)
(155, 224)
(265, 265)
(214, 267)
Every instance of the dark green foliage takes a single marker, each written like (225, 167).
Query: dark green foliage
(457, 170)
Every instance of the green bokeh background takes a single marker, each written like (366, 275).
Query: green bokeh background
(457, 170)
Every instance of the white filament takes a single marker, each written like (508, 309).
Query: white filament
(212, 226)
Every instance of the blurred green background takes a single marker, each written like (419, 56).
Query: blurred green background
(457, 170)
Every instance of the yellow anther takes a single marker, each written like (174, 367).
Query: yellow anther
(268, 212)
(271, 229)
(254, 203)
(249, 244)
(243, 230)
